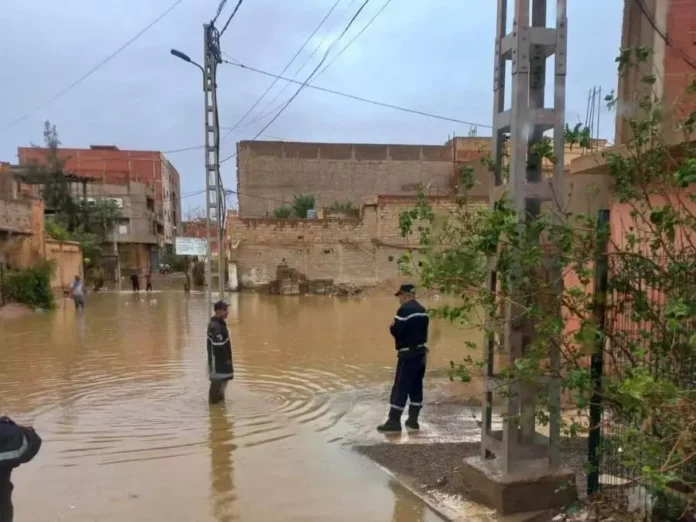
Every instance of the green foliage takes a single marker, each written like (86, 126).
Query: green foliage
(178, 263)
(31, 286)
(651, 303)
(283, 212)
(301, 203)
(343, 207)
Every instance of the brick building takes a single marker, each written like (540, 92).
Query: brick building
(668, 27)
(270, 173)
(111, 166)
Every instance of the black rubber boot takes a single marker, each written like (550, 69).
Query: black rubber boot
(412, 421)
(393, 424)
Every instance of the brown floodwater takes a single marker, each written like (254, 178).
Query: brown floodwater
(119, 394)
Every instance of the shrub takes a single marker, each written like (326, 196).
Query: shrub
(283, 212)
(31, 286)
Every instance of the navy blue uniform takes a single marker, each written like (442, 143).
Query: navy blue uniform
(410, 331)
(220, 368)
(18, 445)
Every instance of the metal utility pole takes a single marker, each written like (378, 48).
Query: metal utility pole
(214, 195)
(525, 49)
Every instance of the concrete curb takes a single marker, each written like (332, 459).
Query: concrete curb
(450, 515)
(407, 483)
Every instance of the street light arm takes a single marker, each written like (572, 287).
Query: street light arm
(185, 57)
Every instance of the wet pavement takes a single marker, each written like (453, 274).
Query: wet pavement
(119, 394)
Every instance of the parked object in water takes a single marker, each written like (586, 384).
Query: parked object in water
(219, 347)
(410, 331)
(18, 445)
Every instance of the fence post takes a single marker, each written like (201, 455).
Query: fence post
(601, 277)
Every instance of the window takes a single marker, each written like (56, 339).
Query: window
(124, 227)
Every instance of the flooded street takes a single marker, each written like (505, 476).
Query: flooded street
(119, 395)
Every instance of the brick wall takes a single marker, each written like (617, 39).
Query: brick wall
(362, 251)
(270, 173)
(678, 74)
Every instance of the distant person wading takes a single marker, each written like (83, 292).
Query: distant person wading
(135, 281)
(410, 331)
(77, 292)
(220, 368)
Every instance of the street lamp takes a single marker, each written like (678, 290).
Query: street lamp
(185, 57)
(209, 89)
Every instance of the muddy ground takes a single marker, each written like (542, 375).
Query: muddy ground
(437, 465)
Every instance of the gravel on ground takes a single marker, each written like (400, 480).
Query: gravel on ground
(436, 465)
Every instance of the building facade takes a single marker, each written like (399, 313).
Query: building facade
(111, 166)
(667, 27)
(138, 233)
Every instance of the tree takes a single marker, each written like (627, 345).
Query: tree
(650, 303)
(301, 203)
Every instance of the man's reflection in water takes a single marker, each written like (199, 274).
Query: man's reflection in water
(407, 508)
(220, 441)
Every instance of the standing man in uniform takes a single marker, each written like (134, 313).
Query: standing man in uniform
(410, 331)
(220, 368)
(18, 445)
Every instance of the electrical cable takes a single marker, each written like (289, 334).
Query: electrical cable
(221, 6)
(265, 93)
(311, 76)
(236, 8)
(93, 69)
(368, 24)
(265, 112)
(360, 98)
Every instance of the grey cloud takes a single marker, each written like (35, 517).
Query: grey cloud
(434, 56)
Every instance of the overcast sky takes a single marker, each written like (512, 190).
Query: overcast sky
(434, 56)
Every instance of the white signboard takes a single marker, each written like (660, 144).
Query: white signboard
(191, 246)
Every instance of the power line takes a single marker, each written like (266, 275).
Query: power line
(93, 69)
(221, 6)
(236, 8)
(362, 99)
(264, 111)
(664, 36)
(309, 38)
(368, 24)
(323, 59)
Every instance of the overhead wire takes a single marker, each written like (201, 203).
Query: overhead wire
(93, 69)
(309, 78)
(221, 6)
(360, 98)
(367, 25)
(227, 24)
(292, 60)
(265, 112)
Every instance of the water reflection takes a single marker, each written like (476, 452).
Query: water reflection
(119, 394)
(406, 507)
(221, 445)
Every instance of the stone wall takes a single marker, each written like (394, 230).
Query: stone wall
(67, 257)
(362, 251)
(270, 173)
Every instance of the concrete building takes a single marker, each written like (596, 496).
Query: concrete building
(112, 166)
(139, 231)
